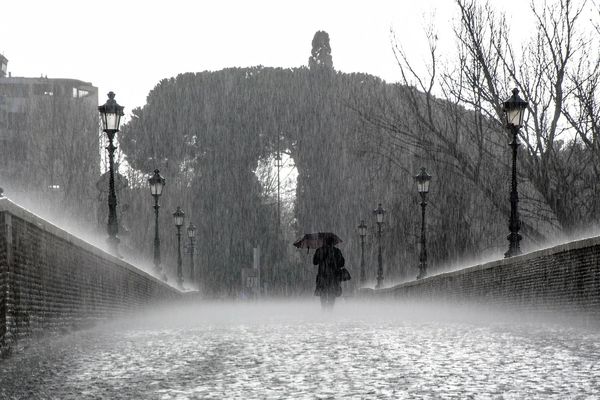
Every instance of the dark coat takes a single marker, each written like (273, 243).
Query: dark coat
(330, 261)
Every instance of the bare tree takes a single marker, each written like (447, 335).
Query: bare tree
(455, 115)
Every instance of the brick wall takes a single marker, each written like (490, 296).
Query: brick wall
(3, 286)
(562, 278)
(52, 281)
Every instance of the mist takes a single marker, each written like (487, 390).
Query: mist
(292, 349)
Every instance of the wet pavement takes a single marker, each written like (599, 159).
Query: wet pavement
(292, 350)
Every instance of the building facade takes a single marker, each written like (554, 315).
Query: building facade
(49, 142)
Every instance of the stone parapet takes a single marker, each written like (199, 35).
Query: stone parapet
(52, 281)
(563, 278)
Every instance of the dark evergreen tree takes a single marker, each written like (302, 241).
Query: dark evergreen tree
(320, 55)
(207, 132)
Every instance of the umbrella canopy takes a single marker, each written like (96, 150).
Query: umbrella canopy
(316, 240)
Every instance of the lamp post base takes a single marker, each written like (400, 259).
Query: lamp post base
(512, 253)
(113, 245)
(514, 248)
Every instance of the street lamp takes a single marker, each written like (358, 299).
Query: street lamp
(514, 110)
(422, 181)
(157, 184)
(191, 232)
(362, 232)
(379, 212)
(110, 114)
(179, 216)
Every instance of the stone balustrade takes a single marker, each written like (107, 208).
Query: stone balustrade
(52, 281)
(563, 278)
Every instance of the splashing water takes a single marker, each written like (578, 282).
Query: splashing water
(293, 350)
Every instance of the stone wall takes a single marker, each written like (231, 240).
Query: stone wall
(562, 278)
(52, 281)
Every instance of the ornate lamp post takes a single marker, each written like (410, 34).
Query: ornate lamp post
(157, 184)
(110, 114)
(379, 213)
(191, 232)
(422, 181)
(362, 232)
(514, 110)
(179, 216)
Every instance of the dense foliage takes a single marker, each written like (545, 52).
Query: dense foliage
(355, 141)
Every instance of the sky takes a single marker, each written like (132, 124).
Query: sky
(130, 45)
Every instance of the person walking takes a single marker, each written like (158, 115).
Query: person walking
(330, 261)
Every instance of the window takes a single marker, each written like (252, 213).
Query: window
(42, 89)
(14, 90)
(79, 93)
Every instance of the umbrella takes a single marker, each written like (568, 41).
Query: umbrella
(316, 240)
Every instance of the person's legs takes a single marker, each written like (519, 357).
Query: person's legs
(327, 300)
(324, 301)
(331, 300)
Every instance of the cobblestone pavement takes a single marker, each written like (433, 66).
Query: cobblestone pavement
(294, 351)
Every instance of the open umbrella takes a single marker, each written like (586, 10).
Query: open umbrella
(315, 240)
